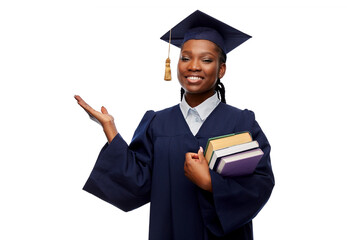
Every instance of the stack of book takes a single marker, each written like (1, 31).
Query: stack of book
(233, 154)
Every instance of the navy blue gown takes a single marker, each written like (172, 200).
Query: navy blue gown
(151, 169)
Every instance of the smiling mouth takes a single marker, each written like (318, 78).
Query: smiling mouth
(194, 79)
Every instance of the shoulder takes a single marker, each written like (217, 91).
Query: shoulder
(160, 113)
(168, 110)
(158, 119)
(236, 112)
(243, 118)
(246, 121)
(164, 113)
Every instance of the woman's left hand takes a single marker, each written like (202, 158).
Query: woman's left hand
(196, 170)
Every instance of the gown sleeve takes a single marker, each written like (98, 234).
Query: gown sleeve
(122, 174)
(235, 201)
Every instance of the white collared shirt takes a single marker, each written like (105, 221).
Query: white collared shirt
(196, 116)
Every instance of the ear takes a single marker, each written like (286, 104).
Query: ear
(222, 69)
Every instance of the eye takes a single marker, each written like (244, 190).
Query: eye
(207, 60)
(184, 59)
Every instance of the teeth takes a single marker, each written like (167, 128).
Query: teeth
(194, 78)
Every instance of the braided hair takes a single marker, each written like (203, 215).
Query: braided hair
(220, 89)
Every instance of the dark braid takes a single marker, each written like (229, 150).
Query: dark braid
(220, 91)
(182, 93)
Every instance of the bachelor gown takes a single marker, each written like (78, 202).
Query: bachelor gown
(151, 169)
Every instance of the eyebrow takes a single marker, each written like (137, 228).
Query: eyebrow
(202, 53)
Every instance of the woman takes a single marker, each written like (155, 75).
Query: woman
(165, 165)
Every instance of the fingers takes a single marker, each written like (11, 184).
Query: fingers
(201, 152)
(85, 106)
(104, 110)
(81, 102)
(191, 156)
(93, 115)
(196, 156)
(201, 155)
(77, 97)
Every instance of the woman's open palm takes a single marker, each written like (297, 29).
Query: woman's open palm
(103, 118)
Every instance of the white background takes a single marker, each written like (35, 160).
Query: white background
(291, 74)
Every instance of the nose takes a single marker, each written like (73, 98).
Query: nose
(194, 65)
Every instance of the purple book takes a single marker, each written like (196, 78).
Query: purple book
(240, 164)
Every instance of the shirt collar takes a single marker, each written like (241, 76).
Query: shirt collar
(204, 109)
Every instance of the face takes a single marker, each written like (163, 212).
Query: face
(199, 67)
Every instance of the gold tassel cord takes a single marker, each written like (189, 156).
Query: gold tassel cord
(167, 76)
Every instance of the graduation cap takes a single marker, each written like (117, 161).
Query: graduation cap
(199, 25)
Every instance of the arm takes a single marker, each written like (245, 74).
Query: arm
(235, 201)
(122, 174)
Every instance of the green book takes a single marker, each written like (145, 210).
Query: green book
(224, 141)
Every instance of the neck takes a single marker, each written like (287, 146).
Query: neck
(195, 99)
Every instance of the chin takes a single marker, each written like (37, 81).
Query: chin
(192, 90)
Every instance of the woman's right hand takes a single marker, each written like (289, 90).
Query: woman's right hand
(103, 118)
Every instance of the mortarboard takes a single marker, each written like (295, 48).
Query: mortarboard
(199, 25)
